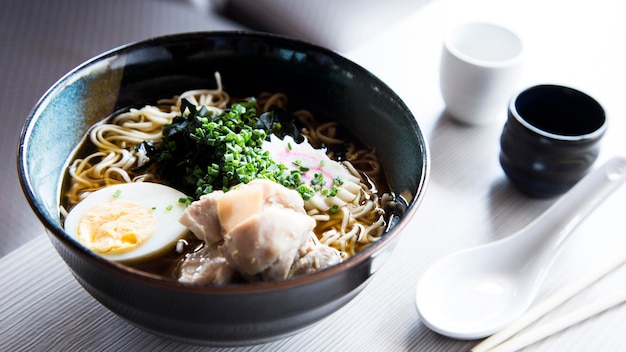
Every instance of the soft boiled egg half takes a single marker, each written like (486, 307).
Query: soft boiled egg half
(128, 222)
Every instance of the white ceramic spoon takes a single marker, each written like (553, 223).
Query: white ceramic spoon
(473, 293)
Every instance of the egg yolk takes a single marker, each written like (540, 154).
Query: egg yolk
(115, 226)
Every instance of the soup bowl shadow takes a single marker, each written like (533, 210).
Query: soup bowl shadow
(141, 73)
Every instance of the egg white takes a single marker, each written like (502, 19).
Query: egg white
(166, 208)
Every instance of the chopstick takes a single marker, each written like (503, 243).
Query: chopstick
(522, 340)
(552, 302)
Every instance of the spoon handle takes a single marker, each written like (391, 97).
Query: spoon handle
(575, 205)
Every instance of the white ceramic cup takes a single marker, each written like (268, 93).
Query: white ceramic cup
(480, 67)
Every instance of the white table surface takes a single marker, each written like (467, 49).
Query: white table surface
(468, 202)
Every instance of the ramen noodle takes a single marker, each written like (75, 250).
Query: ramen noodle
(349, 211)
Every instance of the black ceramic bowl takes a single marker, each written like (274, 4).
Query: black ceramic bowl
(143, 72)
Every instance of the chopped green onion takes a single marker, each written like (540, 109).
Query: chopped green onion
(203, 151)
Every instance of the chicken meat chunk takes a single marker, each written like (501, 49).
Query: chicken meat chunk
(316, 257)
(268, 243)
(260, 228)
(207, 266)
(200, 217)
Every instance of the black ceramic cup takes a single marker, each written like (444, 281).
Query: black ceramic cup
(551, 139)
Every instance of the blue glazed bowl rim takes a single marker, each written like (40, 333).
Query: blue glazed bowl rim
(57, 231)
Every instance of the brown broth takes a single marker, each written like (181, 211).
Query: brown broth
(168, 264)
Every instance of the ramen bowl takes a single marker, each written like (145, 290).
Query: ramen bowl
(143, 72)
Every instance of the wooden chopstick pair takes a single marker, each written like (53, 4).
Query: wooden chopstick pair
(505, 341)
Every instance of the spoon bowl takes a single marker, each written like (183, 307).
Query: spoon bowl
(465, 298)
(473, 293)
